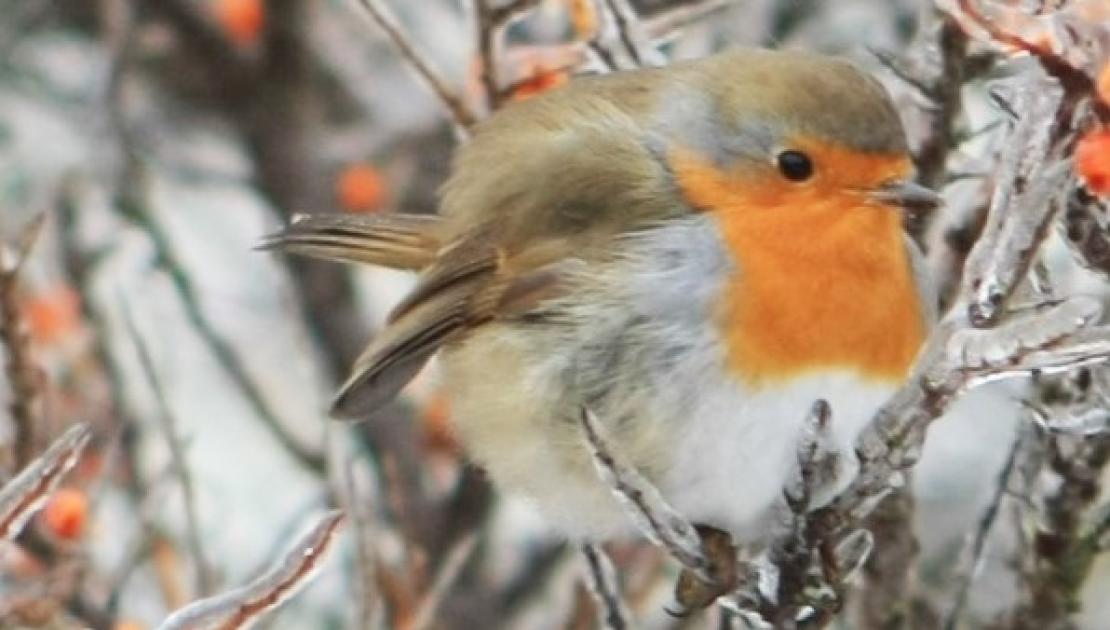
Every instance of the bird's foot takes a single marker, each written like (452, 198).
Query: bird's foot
(691, 592)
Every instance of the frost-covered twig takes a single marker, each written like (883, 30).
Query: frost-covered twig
(460, 112)
(939, 71)
(982, 338)
(370, 615)
(1077, 79)
(977, 544)
(643, 503)
(21, 497)
(1031, 176)
(245, 606)
(666, 23)
(133, 205)
(168, 423)
(22, 370)
(622, 40)
(492, 22)
(453, 563)
(601, 577)
(1087, 228)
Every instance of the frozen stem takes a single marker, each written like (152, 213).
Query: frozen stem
(245, 606)
(25, 494)
(180, 466)
(445, 578)
(602, 579)
(643, 503)
(23, 371)
(460, 112)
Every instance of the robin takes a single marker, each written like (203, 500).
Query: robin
(695, 253)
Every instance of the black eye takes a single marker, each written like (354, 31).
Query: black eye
(795, 165)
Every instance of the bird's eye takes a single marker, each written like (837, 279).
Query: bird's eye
(795, 165)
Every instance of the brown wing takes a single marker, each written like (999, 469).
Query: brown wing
(470, 284)
(400, 241)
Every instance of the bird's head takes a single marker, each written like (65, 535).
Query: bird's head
(769, 133)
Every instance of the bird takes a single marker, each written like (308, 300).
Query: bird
(695, 253)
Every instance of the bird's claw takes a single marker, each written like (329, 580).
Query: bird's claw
(692, 593)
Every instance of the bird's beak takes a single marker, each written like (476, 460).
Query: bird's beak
(906, 194)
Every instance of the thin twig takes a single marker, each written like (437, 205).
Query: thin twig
(643, 503)
(492, 22)
(666, 23)
(602, 581)
(24, 373)
(453, 563)
(370, 609)
(625, 20)
(132, 204)
(21, 497)
(242, 607)
(170, 430)
(978, 543)
(463, 116)
(1075, 81)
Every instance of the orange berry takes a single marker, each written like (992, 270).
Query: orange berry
(1092, 161)
(360, 188)
(66, 513)
(242, 20)
(540, 81)
(53, 314)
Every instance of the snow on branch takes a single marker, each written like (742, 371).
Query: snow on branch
(643, 503)
(245, 606)
(24, 495)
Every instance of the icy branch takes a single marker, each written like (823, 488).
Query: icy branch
(463, 116)
(1032, 175)
(244, 606)
(602, 579)
(643, 503)
(21, 497)
(446, 577)
(21, 368)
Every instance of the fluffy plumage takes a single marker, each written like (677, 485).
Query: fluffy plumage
(627, 242)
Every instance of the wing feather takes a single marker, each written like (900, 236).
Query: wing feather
(400, 241)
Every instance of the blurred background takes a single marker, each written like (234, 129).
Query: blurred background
(163, 138)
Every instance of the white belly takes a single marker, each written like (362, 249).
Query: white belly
(639, 346)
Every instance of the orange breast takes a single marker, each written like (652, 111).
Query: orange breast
(824, 280)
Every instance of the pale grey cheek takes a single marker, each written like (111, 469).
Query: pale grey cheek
(645, 336)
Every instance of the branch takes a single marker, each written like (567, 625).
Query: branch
(1031, 176)
(168, 423)
(666, 23)
(492, 22)
(977, 544)
(453, 564)
(1087, 228)
(643, 503)
(620, 22)
(613, 611)
(463, 116)
(24, 373)
(1074, 79)
(25, 494)
(132, 205)
(244, 606)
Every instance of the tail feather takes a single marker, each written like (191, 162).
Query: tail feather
(400, 241)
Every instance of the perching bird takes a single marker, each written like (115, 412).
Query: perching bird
(695, 253)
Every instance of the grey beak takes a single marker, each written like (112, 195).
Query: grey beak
(906, 194)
